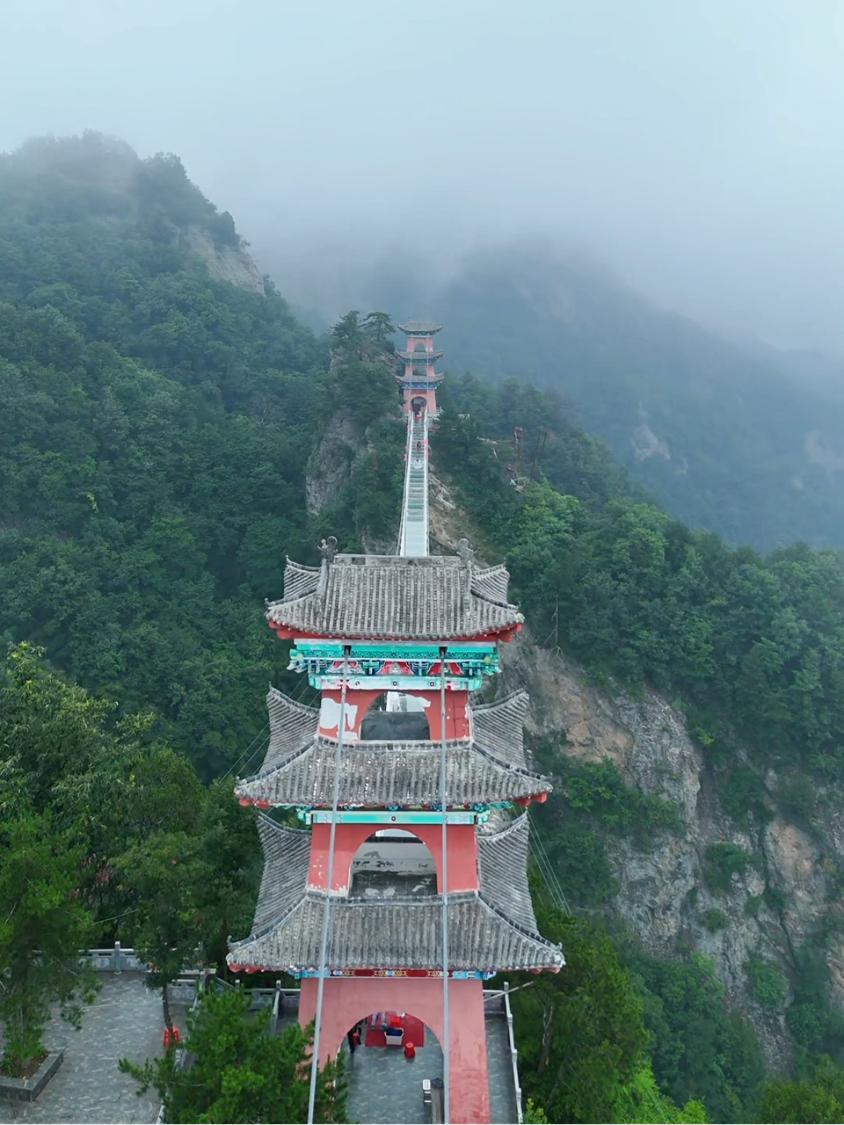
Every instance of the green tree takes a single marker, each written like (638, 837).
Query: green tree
(700, 1049)
(166, 873)
(42, 929)
(379, 326)
(233, 863)
(238, 1072)
(347, 333)
(580, 1033)
(641, 1100)
(819, 1097)
(49, 727)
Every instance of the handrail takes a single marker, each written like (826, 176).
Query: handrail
(413, 536)
(514, 1054)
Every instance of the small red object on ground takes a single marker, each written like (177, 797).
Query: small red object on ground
(409, 1050)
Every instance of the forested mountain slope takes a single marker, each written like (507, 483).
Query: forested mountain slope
(705, 818)
(168, 436)
(741, 440)
(155, 427)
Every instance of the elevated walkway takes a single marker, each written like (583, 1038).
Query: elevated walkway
(414, 518)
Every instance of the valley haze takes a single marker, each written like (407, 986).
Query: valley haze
(615, 229)
(695, 148)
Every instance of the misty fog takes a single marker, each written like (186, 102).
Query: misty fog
(696, 148)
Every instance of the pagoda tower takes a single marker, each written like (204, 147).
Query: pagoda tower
(433, 774)
(418, 379)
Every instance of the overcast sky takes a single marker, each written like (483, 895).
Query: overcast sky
(697, 147)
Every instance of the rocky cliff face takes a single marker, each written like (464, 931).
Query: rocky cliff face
(662, 895)
(225, 263)
(330, 466)
(786, 895)
(330, 469)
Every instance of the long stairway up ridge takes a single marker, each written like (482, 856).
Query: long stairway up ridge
(413, 540)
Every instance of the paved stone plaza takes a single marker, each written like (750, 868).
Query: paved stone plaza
(125, 1021)
(384, 1084)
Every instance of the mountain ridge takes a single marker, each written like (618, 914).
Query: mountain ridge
(728, 436)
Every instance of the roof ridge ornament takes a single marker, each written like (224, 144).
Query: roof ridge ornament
(328, 549)
(465, 551)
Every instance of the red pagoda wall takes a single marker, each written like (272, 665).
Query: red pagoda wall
(430, 397)
(358, 704)
(462, 853)
(352, 999)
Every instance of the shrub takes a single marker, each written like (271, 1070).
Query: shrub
(796, 797)
(767, 984)
(714, 920)
(722, 861)
(597, 788)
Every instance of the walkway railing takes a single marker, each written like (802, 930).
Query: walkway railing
(413, 537)
(514, 1054)
(115, 959)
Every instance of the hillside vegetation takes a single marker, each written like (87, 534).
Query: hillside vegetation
(734, 438)
(163, 433)
(153, 441)
(752, 644)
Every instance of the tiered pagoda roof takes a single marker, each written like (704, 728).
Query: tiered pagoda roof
(490, 930)
(428, 357)
(420, 328)
(298, 768)
(439, 597)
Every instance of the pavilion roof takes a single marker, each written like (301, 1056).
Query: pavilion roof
(491, 929)
(420, 327)
(428, 357)
(438, 597)
(299, 765)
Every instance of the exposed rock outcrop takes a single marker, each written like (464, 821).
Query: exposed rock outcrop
(225, 263)
(662, 896)
(330, 466)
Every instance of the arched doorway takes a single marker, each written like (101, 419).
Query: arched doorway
(395, 717)
(392, 863)
(386, 1065)
(347, 1002)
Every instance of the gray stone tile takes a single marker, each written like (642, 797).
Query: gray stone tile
(502, 1093)
(125, 1021)
(386, 1087)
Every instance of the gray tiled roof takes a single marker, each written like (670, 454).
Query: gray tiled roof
(299, 766)
(292, 726)
(499, 727)
(491, 930)
(422, 327)
(437, 597)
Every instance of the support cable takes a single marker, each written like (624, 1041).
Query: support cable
(546, 869)
(326, 916)
(446, 1044)
(248, 751)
